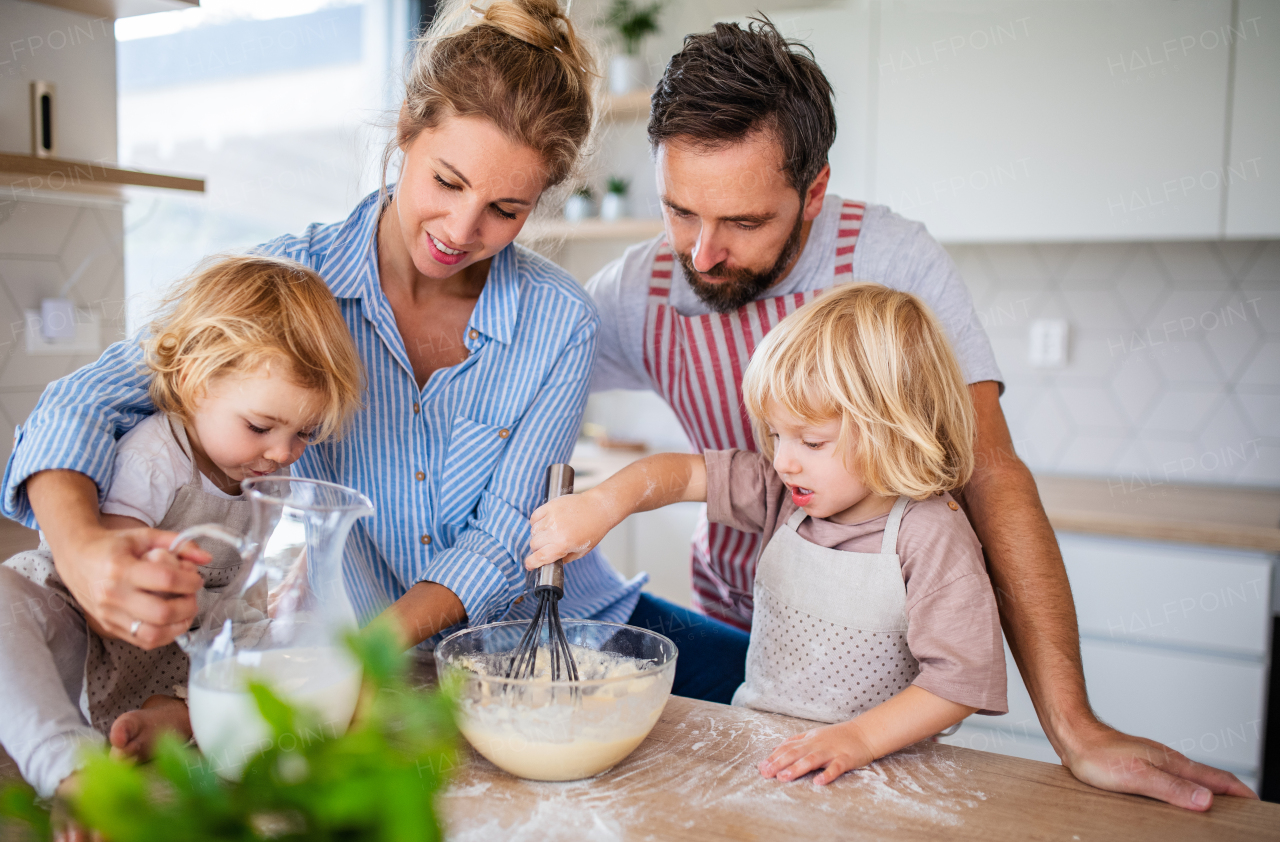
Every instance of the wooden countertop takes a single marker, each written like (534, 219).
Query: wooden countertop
(1215, 515)
(695, 778)
(1225, 516)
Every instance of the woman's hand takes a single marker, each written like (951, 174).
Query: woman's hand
(104, 568)
(119, 577)
(569, 527)
(835, 749)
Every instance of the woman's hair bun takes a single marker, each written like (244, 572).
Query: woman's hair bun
(543, 24)
(519, 63)
(533, 21)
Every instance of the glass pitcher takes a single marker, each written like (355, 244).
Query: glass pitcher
(280, 621)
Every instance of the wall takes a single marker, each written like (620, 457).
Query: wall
(46, 235)
(1173, 373)
(42, 241)
(1174, 365)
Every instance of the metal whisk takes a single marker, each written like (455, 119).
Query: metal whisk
(548, 587)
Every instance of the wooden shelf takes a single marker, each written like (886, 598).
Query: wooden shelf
(72, 176)
(630, 106)
(633, 230)
(120, 8)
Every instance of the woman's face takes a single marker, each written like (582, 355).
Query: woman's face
(465, 191)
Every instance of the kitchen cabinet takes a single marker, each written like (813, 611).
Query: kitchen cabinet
(1053, 121)
(843, 40)
(1176, 645)
(1253, 209)
(1064, 120)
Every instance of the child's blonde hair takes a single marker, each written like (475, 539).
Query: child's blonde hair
(236, 314)
(877, 360)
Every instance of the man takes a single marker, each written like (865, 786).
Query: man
(741, 124)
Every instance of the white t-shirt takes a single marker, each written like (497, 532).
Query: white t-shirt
(893, 251)
(149, 469)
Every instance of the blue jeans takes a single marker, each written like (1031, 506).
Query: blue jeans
(713, 655)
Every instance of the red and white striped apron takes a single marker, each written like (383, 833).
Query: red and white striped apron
(696, 364)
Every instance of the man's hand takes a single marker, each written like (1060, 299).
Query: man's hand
(1110, 759)
(119, 577)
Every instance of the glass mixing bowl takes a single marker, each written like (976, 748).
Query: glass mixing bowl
(559, 730)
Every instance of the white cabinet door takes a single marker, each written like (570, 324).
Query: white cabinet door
(1210, 709)
(841, 41)
(1193, 598)
(1253, 175)
(1175, 641)
(1057, 120)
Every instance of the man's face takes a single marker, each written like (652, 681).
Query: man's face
(734, 221)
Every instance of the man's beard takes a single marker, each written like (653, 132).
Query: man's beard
(740, 287)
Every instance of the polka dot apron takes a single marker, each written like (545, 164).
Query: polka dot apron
(120, 676)
(829, 636)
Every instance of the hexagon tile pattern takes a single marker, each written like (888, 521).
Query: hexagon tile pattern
(1173, 372)
(42, 245)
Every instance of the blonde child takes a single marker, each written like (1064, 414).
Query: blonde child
(249, 362)
(873, 610)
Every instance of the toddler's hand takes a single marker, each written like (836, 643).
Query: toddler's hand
(835, 749)
(567, 528)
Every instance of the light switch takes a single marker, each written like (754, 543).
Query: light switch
(58, 318)
(85, 338)
(1049, 338)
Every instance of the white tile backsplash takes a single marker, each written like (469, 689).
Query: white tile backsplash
(42, 244)
(1174, 372)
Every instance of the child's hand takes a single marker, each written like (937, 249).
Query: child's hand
(567, 528)
(835, 749)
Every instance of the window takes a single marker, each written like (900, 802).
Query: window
(283, 107)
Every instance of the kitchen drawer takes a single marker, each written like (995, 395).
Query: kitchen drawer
(1209, 708)
(1170, 594)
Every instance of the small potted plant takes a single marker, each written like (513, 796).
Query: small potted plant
(631, 23)
(614, 205)
(578, 206)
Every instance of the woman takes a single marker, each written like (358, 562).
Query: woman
(477, 352)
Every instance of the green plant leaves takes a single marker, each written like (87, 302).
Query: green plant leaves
(633, 22)
(377, 781)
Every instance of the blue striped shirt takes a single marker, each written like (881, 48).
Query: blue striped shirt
(483, 431)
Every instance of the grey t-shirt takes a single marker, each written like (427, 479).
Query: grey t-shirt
(893, 251)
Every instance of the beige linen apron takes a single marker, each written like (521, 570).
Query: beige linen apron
(119, 676)
(829, 636)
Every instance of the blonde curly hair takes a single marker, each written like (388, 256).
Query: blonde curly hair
(876, 359)
(236, 314)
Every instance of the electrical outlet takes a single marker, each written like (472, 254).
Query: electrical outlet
(1049, 339)
(87, 338)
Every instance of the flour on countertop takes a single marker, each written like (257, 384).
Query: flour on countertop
(916, 788)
